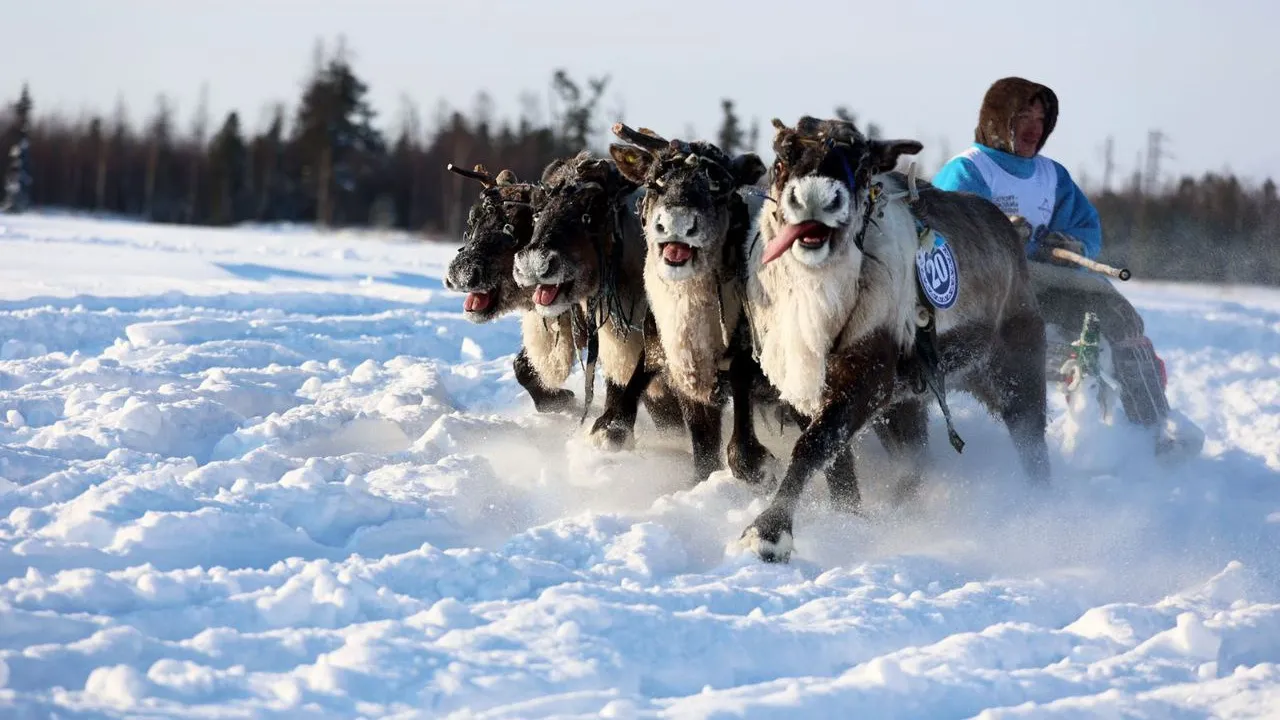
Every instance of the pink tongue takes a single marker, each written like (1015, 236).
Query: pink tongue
(676, 252)
(545, 294)
(788, 235)
(476, 302)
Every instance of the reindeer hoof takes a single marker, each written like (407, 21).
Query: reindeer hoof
(752, 464)
(554, 402)
(769, 537)
(611, 435)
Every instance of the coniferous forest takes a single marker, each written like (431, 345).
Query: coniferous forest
(324, 160)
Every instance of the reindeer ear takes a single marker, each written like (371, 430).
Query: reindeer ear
(885, 153)
(632, 162)
(552, 168)
(747, 169)
(514, 192)
(592, 168)
(506, 177)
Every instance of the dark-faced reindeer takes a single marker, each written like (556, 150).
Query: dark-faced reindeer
(499, 223)
(847, 331)
(584, 264)
(695, 225)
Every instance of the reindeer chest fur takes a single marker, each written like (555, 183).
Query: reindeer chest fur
(804, 315)
(550, 345)
(694, 318)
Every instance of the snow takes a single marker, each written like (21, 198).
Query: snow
(273, 472)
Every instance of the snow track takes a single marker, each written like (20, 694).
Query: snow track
(275, 473)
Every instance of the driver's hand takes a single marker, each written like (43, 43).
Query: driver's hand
(1022, 226)
(1057, 239)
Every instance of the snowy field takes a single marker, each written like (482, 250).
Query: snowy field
(270, 473)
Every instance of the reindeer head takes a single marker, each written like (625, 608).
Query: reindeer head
(690, 200)
(500, 223)
(822, 182)
(572, 237)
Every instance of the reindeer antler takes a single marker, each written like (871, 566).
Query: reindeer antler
(479, 173)
(644, 137)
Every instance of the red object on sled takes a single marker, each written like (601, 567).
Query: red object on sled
(1164, 376)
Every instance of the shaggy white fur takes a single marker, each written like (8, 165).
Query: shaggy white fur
(691, 328)
(549, 345)
(804, 311)
(619, 352)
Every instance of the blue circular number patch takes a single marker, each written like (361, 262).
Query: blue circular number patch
(936, 270)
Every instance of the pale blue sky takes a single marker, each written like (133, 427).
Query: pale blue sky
(1202, 71)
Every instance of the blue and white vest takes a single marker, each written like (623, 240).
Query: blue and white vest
(1033, 198)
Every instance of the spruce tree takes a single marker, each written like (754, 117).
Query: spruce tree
(17, 181)
(730, 138)
(226, 172)
(339, 147)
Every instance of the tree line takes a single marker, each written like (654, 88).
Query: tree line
(325, 161)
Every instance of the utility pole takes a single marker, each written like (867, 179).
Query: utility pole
(1154, 154)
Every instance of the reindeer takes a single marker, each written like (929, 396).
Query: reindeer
(695, 224)
(848, 334)
(499, 223)
(583, 264)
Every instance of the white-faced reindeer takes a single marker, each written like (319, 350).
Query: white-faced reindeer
(584, 262)
(695, 225)
(499, 223)
(844, 323)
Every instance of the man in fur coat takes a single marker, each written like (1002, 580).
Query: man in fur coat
(1005, 165)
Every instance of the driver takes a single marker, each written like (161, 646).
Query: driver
(1049, 210)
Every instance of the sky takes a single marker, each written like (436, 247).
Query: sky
(1198, 71)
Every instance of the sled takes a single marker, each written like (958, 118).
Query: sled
(1096, 431)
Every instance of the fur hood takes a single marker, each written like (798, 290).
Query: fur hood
(1006, 98)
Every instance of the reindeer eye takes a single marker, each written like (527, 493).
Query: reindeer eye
(509, 229)
(586, 218)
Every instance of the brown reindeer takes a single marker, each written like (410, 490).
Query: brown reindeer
(695, 223)
(499, 223)
(583, 263)
(846, 333)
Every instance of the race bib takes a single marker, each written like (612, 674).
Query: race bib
(936, 271)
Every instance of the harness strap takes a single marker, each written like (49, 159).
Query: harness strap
(930, 372)
(929, 367)
(590, 326)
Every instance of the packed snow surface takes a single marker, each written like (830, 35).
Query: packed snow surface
(270, 472)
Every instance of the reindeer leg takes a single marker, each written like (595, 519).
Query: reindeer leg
(704, 423)
(842, 481)
(615, 428)
(544, 399)
(904, 430)
(1013, 386)
(748, 457)
(663, 406)
(1018, 371)
(858, 381)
